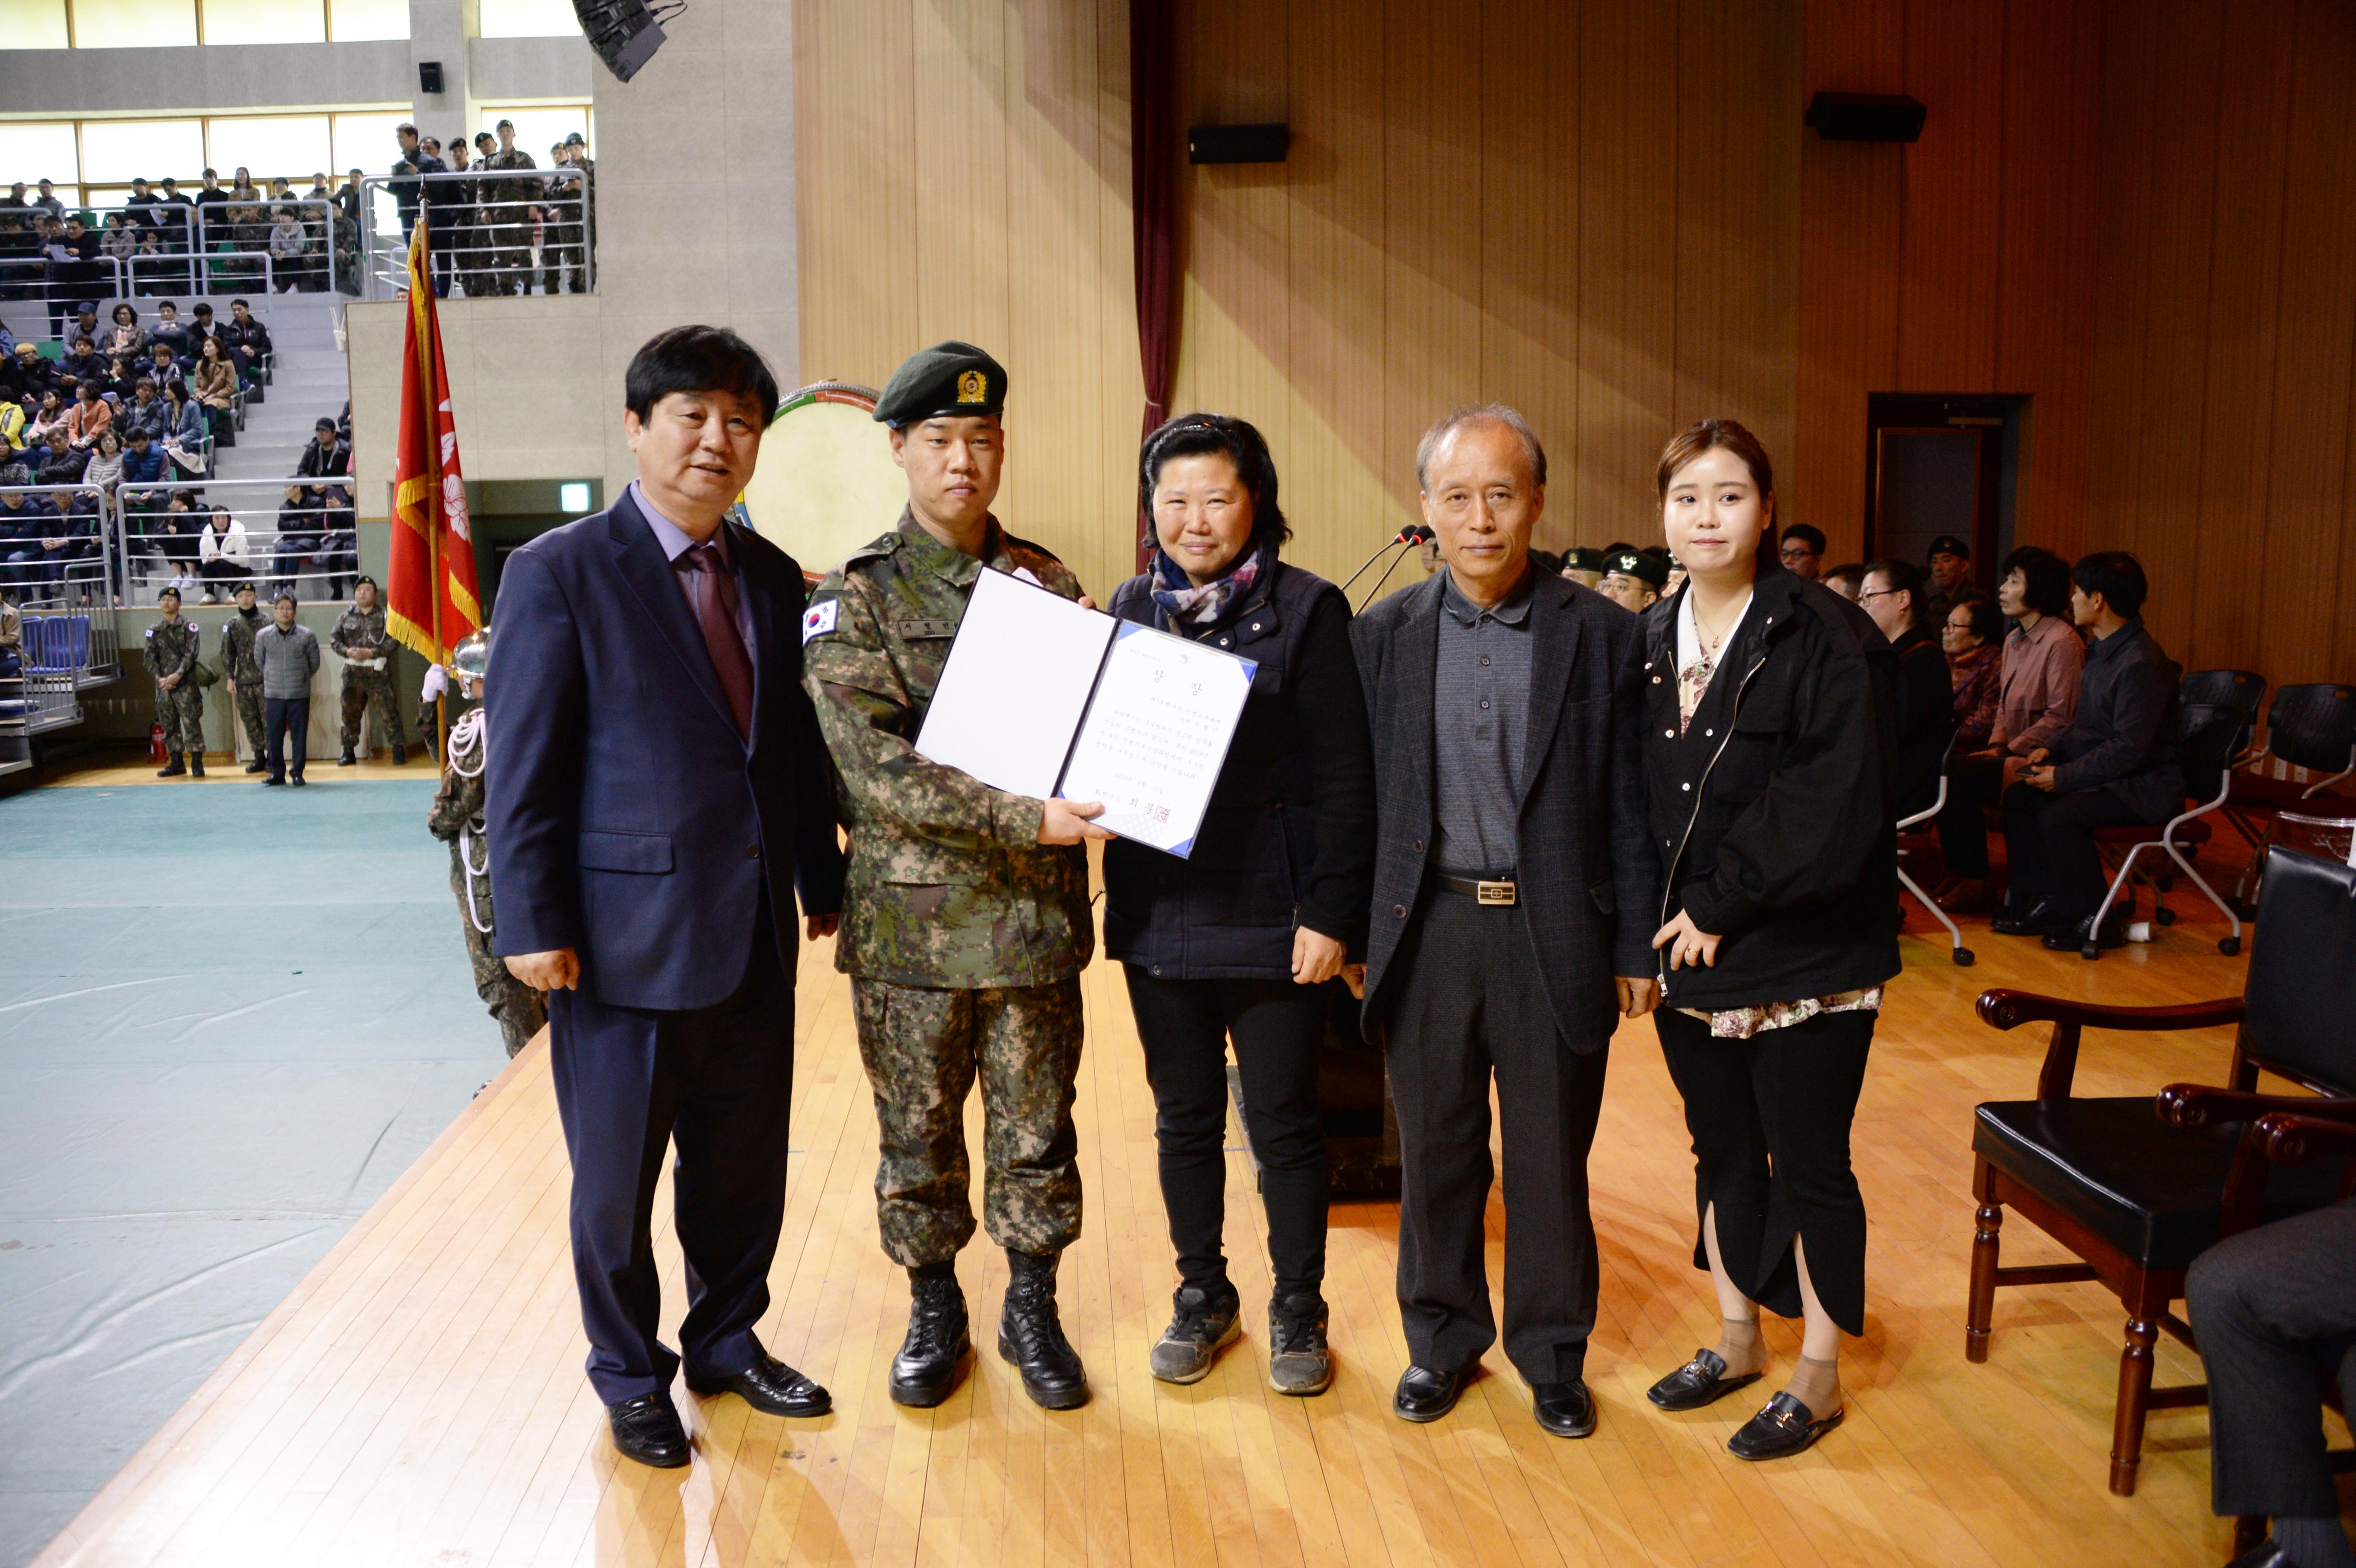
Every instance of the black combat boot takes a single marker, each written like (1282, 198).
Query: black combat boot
(925, 1371)
(255, 766)
(195, 765)
(1030, 1336)
(173, 769)
(347, 760)
(400, 755)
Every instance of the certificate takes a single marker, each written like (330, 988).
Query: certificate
(1041, 698)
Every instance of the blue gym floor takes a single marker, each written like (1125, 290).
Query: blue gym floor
(229, 1017)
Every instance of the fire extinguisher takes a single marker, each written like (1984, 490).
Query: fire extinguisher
(156, 743)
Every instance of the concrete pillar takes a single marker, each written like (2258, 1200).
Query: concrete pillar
(438, 30)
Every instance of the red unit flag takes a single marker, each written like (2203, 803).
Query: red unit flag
(430, 598)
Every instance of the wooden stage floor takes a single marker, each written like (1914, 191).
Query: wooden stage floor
(419, 1400)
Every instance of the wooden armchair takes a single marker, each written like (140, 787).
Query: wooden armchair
(2137, 1196)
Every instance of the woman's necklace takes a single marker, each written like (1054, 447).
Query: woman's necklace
(1713, 641)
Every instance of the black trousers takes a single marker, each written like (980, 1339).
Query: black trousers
(1470, 1006)
(1770, 1118)
(1185, 1025)
(718, 1081)
(282, 717)
(1973, 783)
(2274, 1309)
(2049, 841)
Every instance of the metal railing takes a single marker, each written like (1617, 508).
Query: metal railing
(494, 231)
(294, 532)
(217, 249)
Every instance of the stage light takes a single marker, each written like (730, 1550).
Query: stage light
(624, 32)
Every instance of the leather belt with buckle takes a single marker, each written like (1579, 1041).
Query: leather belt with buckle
(1498, 890)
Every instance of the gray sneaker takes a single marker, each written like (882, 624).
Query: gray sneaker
(1200, 1326)
(1297, 1361)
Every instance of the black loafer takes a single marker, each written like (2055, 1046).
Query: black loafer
(1566, 1410)
(1700, 1382)
(2073, 937)
(2266, 1553)
(1785, 1427)
(1426, 1396)
(2039, 920)
(646, 1429)
(768, 1384)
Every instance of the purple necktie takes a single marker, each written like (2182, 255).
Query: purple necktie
(715, 611)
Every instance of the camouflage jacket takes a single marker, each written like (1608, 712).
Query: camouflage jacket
(948, 885)
(172, 648)
(504, 199)
(237, 663)
(360, 633)
(459, 802)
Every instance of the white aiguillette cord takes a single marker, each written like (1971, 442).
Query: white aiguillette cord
(463, 734)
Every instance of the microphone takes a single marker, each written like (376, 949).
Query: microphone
(1413, 534)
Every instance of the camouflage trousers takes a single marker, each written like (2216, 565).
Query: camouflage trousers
(519, 1010)
(923, 1049)
(181, 712)
(369, 689)
(246, 703)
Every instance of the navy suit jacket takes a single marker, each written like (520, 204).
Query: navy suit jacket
(626, 818)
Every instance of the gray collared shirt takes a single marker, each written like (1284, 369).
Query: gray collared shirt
(1480, 706)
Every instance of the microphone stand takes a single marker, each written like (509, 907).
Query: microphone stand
(1413, 534)
(1386, 577)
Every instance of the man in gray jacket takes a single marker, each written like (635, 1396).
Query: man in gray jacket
(289, 657)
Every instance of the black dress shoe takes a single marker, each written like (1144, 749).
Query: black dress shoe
(2266, 1553)
(254, 767)
(646, 1429)
(1427, 1395)
(768, 1384)
(1785, 1427)
(2038, 919)
(1700, 1382)
(1030, 1336)
(925, 1371)
(2073, 937)
(1566, 1410)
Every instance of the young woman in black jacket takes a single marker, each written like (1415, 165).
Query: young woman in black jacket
(1243, 939)
(1770, 772)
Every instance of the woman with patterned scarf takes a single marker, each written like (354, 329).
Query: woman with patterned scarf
(1243, 940)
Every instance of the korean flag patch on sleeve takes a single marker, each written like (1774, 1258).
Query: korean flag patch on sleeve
(818, 621)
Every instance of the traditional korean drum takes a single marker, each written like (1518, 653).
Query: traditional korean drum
(825, 483)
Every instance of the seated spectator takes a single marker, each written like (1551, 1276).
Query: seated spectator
(160, 367)
(338, 556)
(247, 340)
(2037, 696)
(1951, 575)
(215, 386)
(49, 415)
(81, 363)
(143, 459)
(295, 553)
(2116, 766)
(1894, 595)
(186, 429)
(201, 327)
(126, 338)
(1802, 550)
(105, 462)
(150, 272)
(288, 245)
(222, 554)
(72, 536)
(1973, 641)
(2275, 1311)
(25, 520)
(34, 374)
(12, 430)
(90, 417)
(172, 535)
(123, 381)
(61, 463)
(168, 331)
(145, 410)
(1847, 580)
(325, 453)
(1632, 579)
(118, 241)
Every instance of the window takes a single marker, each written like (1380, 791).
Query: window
(133, 23)
(35, 150)
(115, 152)
(539, 125)
(529, 19)
(33, 25)
(294, 146)
(265, 21)
(366, 142)
(349, 21)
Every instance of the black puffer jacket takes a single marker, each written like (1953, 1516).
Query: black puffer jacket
(1288, 838)
(1773, 811)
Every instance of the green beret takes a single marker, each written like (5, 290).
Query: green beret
(1636, 563)
(1583, 557)
(950, 378)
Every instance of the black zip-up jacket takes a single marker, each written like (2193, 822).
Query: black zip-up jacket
(1926, 718)
(2123, 738)
(1773, 812)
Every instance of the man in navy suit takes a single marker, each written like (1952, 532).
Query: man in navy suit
(659, 795)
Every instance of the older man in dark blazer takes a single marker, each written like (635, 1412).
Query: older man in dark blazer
(657, 795)
(1510, 839)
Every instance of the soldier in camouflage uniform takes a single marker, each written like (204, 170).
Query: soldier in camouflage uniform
(242, 675)
(179, 700)
(506, 213)
(965, 917)
(457, 818)
(361, 640)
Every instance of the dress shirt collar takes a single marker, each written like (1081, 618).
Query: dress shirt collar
(1512, 610)
(675, 540)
